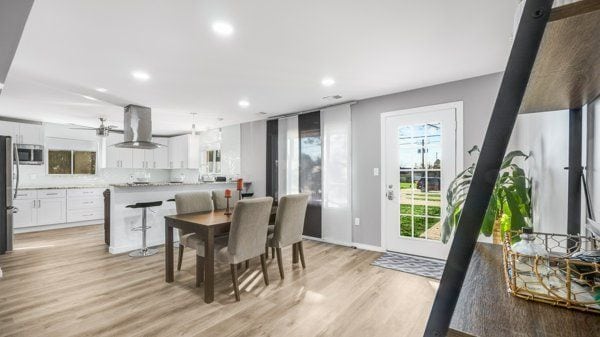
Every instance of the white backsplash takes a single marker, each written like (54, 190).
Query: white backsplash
(34, 175)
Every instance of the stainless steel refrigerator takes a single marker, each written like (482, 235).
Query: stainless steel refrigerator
(9, 185)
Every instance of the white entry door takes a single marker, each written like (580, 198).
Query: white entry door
(419, 158)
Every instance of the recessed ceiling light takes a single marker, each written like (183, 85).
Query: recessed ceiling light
(222, 28)
(89, 97)
(327, 81)
(140, 75)
(244, 103)
(100, 89)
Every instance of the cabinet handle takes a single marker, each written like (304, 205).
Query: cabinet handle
(51, 193)
(39, 204)
(34, 203)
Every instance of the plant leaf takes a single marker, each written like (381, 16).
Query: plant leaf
(510, 156)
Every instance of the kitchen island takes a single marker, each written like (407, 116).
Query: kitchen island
(122, 219)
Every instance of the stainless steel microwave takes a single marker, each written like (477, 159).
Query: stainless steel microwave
(29, 154)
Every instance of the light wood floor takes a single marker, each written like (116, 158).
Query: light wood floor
(65, 283)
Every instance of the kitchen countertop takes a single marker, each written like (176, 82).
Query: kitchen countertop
(166, 183)
(60, 187)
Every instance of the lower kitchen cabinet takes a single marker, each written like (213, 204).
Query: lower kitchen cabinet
(26, 216)
(57, 206)
(51, 211)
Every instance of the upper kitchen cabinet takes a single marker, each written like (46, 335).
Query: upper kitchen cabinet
(117, 157)
(184, 152)
(161, 154)
(23, 133)
(31, 134)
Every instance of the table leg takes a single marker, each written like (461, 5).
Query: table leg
(209, 266)
(168, 253)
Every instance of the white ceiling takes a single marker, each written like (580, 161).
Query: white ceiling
(275, 59)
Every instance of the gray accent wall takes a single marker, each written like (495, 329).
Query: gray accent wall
(478, 95)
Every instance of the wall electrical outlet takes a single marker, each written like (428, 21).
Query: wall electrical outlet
(356, 221)
(376, 171)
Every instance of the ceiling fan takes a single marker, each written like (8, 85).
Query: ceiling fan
(102, 131)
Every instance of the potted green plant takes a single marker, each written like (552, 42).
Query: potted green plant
(510, 203)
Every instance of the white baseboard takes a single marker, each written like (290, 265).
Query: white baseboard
(56, 226)
(347, 244)
(369, 247)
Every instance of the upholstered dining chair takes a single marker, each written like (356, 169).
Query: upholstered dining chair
(191, 202)
(220, 201)
(247, 239)
(289, 223)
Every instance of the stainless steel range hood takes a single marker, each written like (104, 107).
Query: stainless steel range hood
(137, 130)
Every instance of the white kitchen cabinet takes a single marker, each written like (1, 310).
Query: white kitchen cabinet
(9, 129)
(57, 206)
(85, 204)
(52, 211)
(23, 133)
(160, 158)
(40, 207)
(117, 157)
(26, 216)
(184, 152)
(31, 134)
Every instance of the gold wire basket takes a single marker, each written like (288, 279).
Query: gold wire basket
(557, 279)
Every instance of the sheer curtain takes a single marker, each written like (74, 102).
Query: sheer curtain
(288, 156)
(337, 164)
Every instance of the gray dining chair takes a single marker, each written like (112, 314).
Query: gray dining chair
(190, 202)
(288, 227)
(247, 239)
(220, 201)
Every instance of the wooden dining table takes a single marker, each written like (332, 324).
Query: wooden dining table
(207, 225)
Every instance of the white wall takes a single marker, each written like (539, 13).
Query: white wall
(546, 137)
(254, 155)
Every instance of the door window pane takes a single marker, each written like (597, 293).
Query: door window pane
(59, 162)
(420, 180)
(84, 162)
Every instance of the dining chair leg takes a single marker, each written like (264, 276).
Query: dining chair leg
(301, 253)
(180, 258)
(247, 264)
(279, 262)
(234, 279)
(199, 270)
(267, 252)
(263, 265)
(272, 252)
(295, 253)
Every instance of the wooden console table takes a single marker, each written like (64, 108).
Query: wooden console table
(485, 308)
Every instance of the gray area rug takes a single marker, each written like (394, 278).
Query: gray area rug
(417, 265)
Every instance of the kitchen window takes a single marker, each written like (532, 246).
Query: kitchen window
(71, 162)
(213, 161)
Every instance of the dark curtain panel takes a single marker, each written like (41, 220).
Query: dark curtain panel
(309, 127)
(272, 150)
